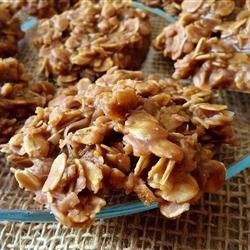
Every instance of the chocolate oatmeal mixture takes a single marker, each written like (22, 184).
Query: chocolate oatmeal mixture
(43, 8)
(10, 31)
(19, 97)
(92, 38)
(210, 43)
(139, 134)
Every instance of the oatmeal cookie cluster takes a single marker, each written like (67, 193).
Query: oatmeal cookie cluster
(210, 43)
(43, 8)
(139, 134)
(18, 96)
(10, 31)
(92, 38)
